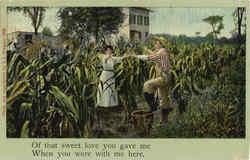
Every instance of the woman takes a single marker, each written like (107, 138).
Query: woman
(107, 94)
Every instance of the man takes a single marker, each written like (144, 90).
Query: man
(162, 60)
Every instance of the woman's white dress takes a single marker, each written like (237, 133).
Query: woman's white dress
(107, 94)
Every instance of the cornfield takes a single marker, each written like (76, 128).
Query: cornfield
(51, 97)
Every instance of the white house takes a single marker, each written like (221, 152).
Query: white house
(20, 38)
(136, 23)
(135, 27)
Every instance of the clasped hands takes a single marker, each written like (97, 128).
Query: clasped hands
(132, 54)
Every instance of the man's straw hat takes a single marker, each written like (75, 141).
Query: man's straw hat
(161, 39)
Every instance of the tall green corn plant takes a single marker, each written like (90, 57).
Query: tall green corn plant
(21, 92)
(85, 82)
(131, 73)
(191, 72)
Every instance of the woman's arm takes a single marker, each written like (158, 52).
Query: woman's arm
(142, 57)
(117, 59)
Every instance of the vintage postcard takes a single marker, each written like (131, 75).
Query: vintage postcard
(124, 80)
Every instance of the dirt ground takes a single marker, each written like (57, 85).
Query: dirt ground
(113, 124)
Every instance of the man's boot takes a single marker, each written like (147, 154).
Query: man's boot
(165, 114)
(149, 97)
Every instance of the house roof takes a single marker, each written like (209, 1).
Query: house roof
(23, 32)
(143, 8)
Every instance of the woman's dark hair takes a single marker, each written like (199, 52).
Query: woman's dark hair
(108, 46)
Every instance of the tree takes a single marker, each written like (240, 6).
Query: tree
(238, 15)
(217, 25)
(234, 34)
(36, 15)
(95, 21)
(47, 31)
(197, 33)
(210, 37)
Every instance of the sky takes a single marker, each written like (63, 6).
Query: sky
(174, 21)
(189, 20)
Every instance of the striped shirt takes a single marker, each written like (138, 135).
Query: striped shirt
(161, 58)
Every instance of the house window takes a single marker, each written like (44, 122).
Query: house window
(146, 34)
(132, 19)
(28, 38)
(146, 21)
(139, 35)
(139, 20)
(135, 35)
